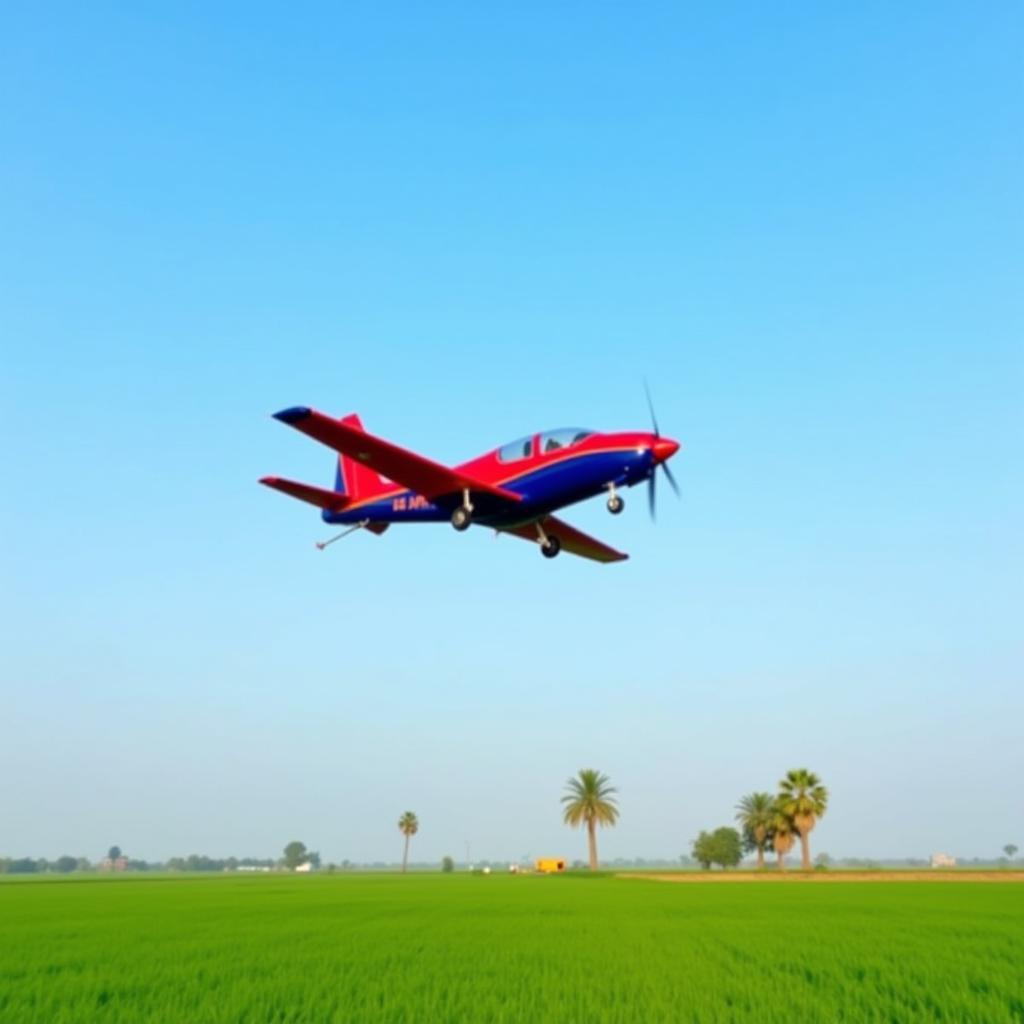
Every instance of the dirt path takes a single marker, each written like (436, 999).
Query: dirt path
(703, 877)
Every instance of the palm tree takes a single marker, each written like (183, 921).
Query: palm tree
(408, 825)
(804, 799)
(754, 813)
(589, 801)
(781, 831)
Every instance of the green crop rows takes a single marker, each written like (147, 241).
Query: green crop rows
(530, 949)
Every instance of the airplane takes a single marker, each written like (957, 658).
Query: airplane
(514, 489)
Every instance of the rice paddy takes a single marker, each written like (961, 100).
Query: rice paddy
(506, 949)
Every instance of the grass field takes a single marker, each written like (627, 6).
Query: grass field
(469, 948)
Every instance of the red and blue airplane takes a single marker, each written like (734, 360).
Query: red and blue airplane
(514, 489)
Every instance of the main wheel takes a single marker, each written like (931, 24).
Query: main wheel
(461, 518)
(615, 504)
(551, 547)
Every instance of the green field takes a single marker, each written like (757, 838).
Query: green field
(532, 949)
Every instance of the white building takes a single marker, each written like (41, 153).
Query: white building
(943, 860)
(306, 868)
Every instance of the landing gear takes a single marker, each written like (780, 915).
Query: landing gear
(463, 515)
(615, 503)
(549, 546)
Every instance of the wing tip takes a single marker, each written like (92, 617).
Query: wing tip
(293, 414)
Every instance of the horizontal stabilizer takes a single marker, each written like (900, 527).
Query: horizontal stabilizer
(318, 496)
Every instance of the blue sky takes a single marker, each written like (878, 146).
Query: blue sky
(803, 225)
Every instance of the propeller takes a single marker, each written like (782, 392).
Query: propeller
(652, 479)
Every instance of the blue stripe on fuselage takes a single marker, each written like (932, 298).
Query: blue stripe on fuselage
(544, 490)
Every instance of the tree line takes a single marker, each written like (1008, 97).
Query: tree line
(768, 822)
(115, 860)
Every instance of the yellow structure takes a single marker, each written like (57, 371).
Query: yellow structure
(550, 865)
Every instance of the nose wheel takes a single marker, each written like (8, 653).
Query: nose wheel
(615, 503)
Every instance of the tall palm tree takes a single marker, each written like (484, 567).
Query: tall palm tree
(408, 825)
(754, 813)
(781, 831)
(588, 801)
(804, 799)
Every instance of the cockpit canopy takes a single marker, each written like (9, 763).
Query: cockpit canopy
(565, 437)
(550, 441)
(516, 450)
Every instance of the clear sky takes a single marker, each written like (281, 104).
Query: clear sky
(802, 223)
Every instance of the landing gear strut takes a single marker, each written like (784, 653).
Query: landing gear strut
(463, 515)
(615, 503)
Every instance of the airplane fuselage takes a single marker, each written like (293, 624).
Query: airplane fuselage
(547, 480)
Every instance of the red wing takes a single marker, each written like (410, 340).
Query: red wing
(421, 475)
(576, 542)
(307, 492)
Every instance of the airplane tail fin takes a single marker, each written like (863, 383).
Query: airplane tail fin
(351, 478)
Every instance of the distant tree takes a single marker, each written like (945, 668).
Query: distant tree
(1010, 849)
(408, 825)
(589, 801)
(823, 861)
(294, 854)
(447, 865)
(704, 850)
(114, 852)
(783, 833)
(313, 858)
(727, 847)
(754, 813)
(804, 800)
(23, 866)
(65, 864)
(723, 847)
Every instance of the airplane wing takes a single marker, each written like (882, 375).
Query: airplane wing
(415, 472)
(307, 492)
(576, 542)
